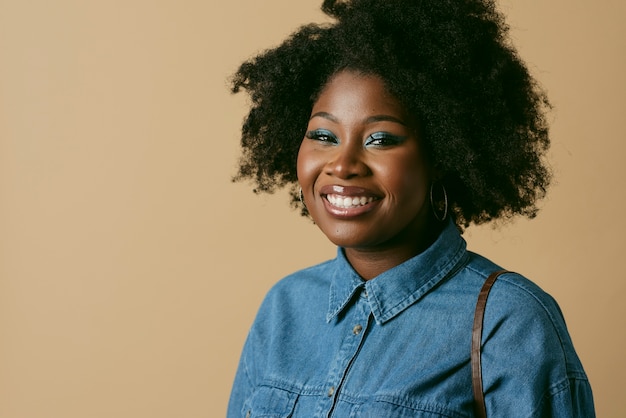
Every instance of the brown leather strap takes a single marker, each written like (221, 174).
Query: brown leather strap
(477, 332)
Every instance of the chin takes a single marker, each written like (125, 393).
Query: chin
(347, 240)
(340, 235)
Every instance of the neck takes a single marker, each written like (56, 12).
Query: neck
(371, 262)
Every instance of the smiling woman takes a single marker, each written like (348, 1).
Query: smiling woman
(396, 127)
(364, 175)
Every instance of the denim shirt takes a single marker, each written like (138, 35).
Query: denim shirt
(326, 343)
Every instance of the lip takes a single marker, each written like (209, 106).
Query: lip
(348, 191)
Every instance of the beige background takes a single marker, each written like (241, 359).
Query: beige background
(130, 266)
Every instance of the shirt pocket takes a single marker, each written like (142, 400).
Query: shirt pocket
(394, 410)
(270, 402)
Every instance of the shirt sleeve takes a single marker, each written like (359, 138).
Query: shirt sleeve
(573, 401)
(241, 390)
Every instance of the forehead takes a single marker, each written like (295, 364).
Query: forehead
(351, 94)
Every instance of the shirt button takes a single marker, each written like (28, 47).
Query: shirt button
(331, 391)
(248, 414)
(357, 329)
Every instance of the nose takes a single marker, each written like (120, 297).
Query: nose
(347, 162)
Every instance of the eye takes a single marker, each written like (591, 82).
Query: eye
(383, 139)
(322, 135)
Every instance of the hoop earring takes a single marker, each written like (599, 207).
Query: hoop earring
(301, 195)
(305, 210)
(441, 206)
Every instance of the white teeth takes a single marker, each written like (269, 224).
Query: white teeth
(348, 202)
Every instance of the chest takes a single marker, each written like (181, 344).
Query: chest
(415, 365)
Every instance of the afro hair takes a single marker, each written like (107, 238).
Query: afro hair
(449, 62)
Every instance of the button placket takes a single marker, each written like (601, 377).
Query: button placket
(362, 316)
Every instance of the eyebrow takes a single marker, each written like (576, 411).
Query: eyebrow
(325, 115)
(371, 119)
(384, 118)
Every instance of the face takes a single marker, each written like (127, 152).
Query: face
(364, 177)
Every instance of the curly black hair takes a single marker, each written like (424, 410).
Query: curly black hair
(449, 62)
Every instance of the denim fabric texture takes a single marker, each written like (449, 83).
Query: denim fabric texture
(326, 343)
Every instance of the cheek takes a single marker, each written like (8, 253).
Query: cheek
(408, 180)
(307, 167)
(301, 165)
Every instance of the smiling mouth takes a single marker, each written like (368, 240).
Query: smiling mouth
(347, 202)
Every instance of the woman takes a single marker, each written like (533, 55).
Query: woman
(396, 127)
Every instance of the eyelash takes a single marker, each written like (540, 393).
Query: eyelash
(322, 135)
(383, 139)
(377, 139)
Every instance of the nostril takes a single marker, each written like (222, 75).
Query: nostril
(347, 165)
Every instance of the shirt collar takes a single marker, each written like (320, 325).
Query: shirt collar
(396, 289)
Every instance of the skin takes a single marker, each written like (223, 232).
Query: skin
(362, 145)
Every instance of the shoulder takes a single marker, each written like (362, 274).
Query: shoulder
(297, 295)
(520, 315)
(311, 279)
(511, 289)
(528, 356)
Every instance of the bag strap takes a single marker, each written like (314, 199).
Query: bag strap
(477, 332)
